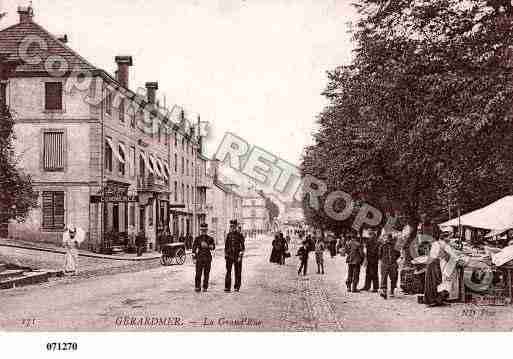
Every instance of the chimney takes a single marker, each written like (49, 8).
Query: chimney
(63, 38)
(124, 62)
(151, 91)
(214, 166)
(26, 14)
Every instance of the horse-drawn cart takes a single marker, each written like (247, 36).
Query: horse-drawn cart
(173, 253)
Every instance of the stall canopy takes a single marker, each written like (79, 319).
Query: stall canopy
(497, 216)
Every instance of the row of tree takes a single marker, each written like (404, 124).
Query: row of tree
(421, 121)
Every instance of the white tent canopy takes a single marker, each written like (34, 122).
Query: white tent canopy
(497, 216)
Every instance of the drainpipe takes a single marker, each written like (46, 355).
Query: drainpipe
(102, 166)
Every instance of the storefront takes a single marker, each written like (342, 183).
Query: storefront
(116, 205)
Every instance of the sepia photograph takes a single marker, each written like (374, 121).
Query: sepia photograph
(255, 166)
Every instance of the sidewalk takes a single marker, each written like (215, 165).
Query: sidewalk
(51, 248)
(51, 258)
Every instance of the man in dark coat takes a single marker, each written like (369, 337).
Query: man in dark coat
(233, 253)
(354, 260)
(388, 255)
(371, 255)
(201, 251)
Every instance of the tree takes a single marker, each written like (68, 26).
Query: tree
(423, 114)
(16, 194)
(272, 208)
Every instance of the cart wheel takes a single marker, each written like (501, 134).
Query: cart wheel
(180, 256)
(168, 260)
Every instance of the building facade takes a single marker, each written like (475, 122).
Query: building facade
(255, 216)
(101, 156)
(223, 205)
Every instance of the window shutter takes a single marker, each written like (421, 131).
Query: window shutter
(3, 96)
(58, 209)
(47, 205)
(53, 95)
(53, 156)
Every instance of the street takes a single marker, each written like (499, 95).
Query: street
(272, 297)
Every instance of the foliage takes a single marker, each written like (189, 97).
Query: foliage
(16, 194)
(421, 120)
(272, 208)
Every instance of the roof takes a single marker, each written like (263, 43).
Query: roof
(495, 216)
(13, 36)
(226, 188)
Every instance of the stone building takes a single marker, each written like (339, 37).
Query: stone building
(255, 216)
(101, 156)
(223, 205)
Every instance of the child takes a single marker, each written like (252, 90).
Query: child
(319, 255)
(302, 253)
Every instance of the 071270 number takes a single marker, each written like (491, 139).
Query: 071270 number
(61, 346)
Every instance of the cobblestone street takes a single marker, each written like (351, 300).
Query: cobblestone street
(272, 297)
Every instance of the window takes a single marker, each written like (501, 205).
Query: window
(159, 132)
(3, 96)
(183, 193)
(53, 210)
(176, 192)
(183, 143)
(108, 156)
(132, 161)
(121, 165)
(176, 163)
(132, 117)
(122, 110)
(131, 214)
(183, 165)
(176, 139)
(53, 151)
(53, 96)
(108, 103)
(253, 213)
(187, 168)
(140, 120)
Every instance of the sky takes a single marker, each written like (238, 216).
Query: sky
(253, 68)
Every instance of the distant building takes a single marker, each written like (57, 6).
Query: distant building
(223, 205)
(255, 215)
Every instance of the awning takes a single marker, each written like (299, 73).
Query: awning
(146, 162)
(160, 166)
(115, 151)
(154, 163)
(123, 149)
(497, 216)
(167, 169)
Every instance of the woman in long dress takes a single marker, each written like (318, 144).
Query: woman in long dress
(442, 282)
(71, 239)
(276, 250)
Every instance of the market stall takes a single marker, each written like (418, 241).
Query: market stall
(486, 237)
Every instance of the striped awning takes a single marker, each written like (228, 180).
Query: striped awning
(155, 167)
(115, 151)
(160, 166)
(146, 162)
(167, 169)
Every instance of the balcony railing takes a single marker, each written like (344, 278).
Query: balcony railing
(151, 183)
(201, 208)
(204, 181)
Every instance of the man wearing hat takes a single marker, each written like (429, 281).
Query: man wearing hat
(233, 252)
(201, 251)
